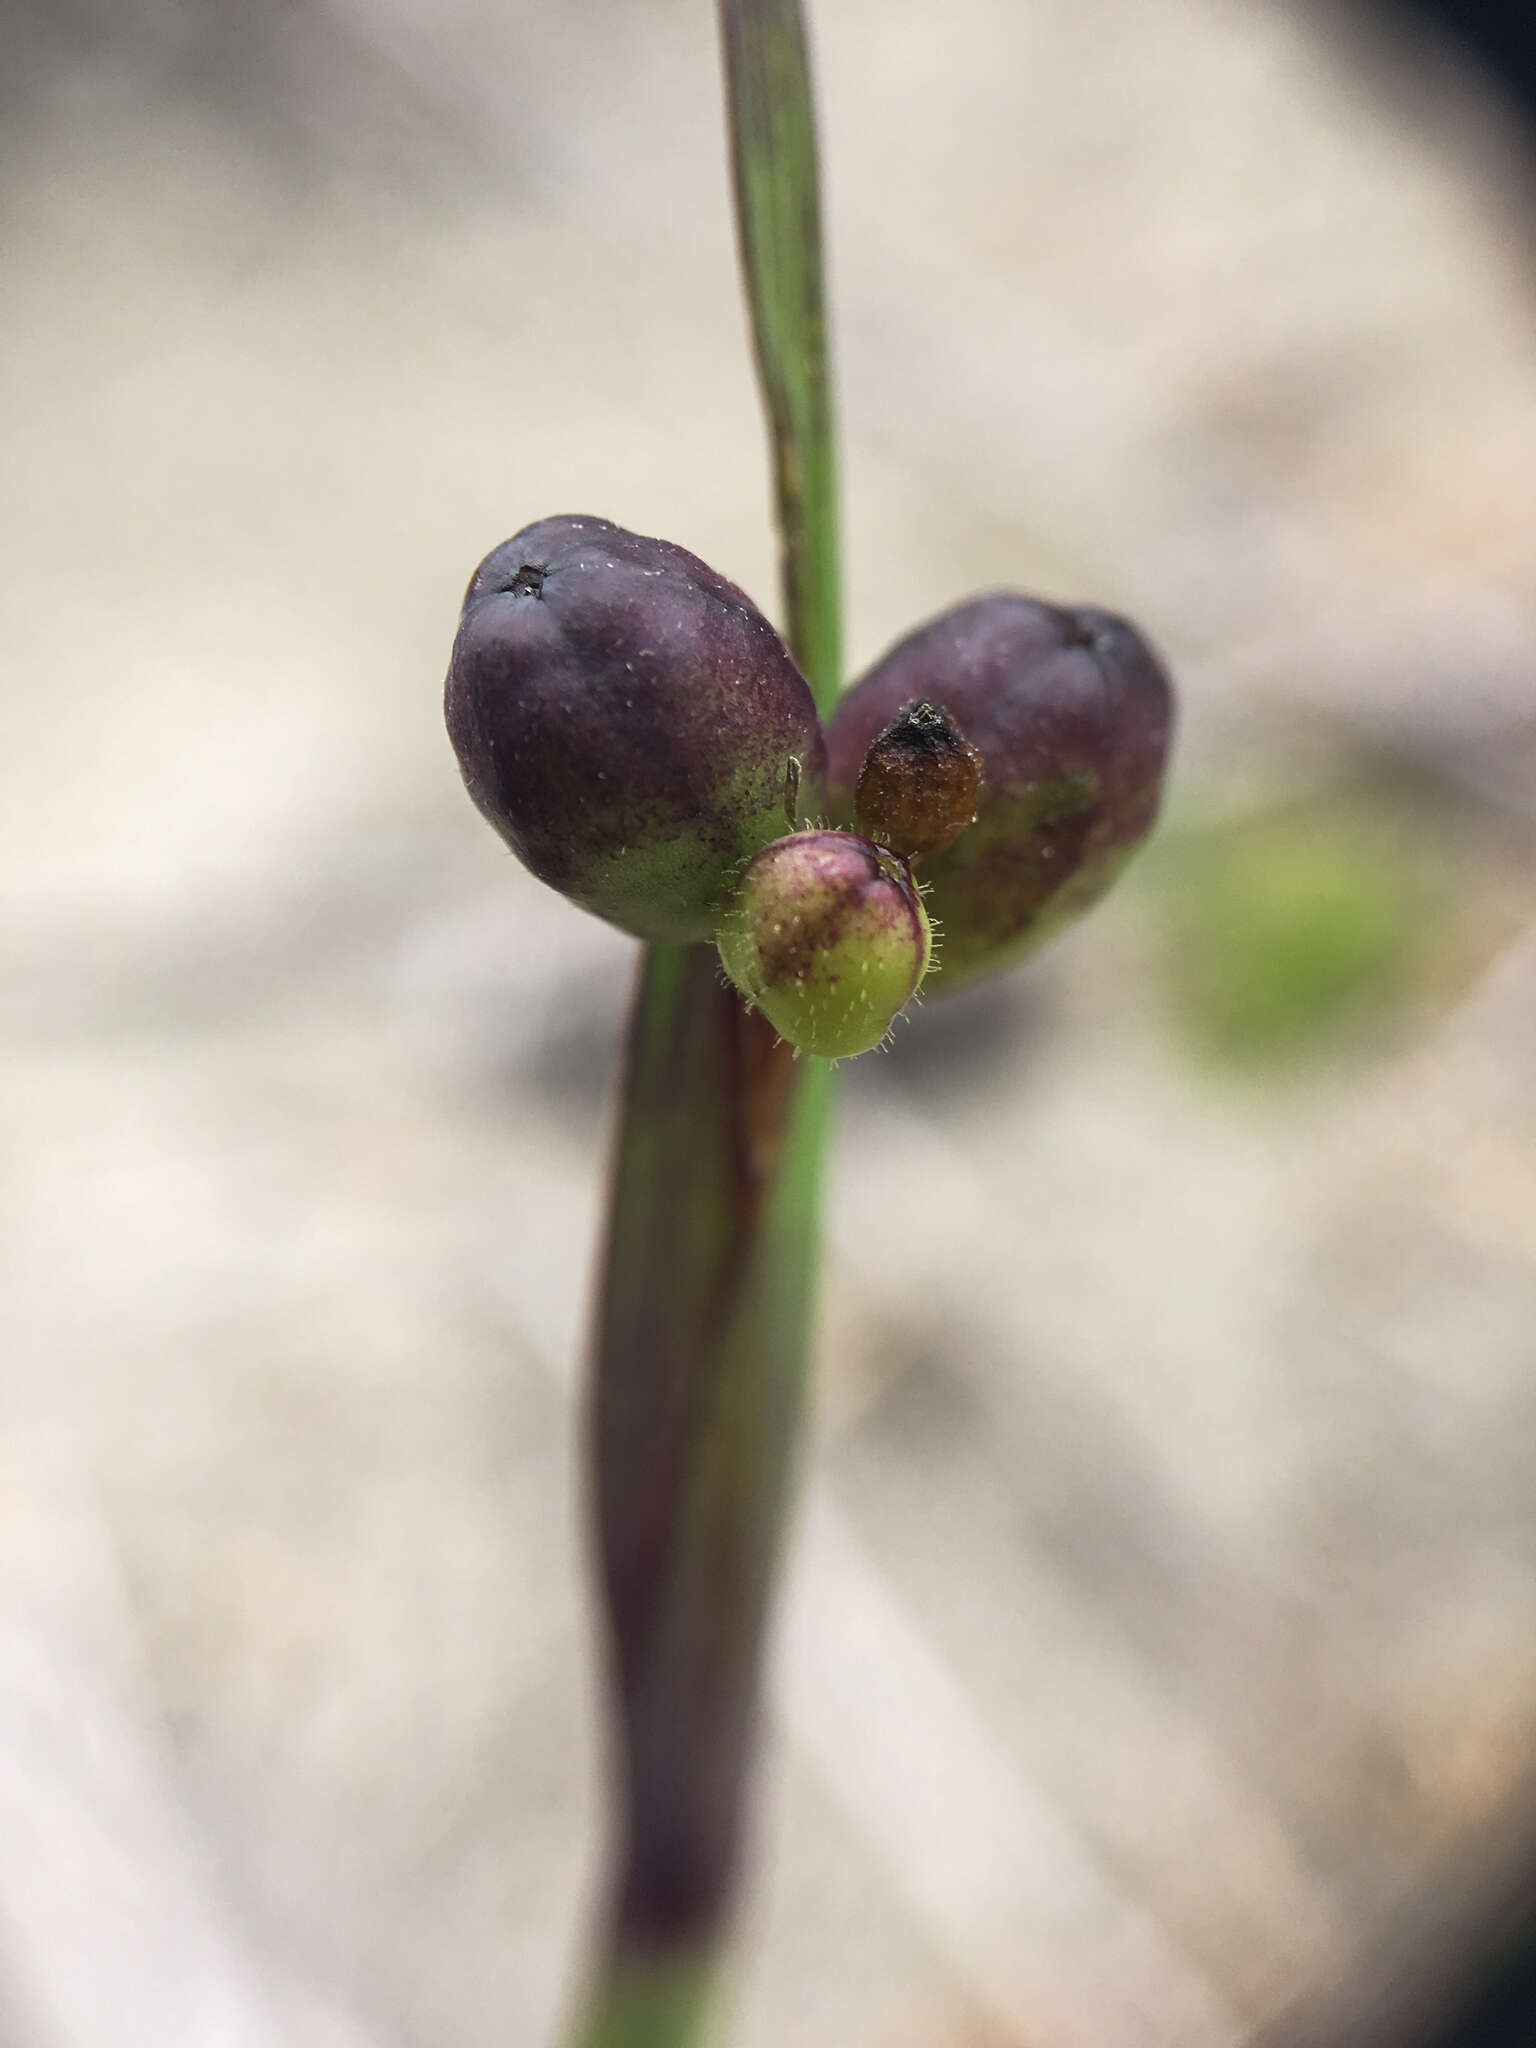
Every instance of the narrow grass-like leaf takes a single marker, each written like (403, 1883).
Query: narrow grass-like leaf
(778, 213)
(692, 1427)
(704, 1316)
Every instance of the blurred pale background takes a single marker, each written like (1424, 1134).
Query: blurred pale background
(1161, 1623)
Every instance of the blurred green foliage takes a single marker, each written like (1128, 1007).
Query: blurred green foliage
(1292, 929)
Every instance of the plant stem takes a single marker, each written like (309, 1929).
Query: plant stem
(645, 2001)
(704, 1315)
(777, 186)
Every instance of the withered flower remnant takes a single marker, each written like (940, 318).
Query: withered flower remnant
(918, 787)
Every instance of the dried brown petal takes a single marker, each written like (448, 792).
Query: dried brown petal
(918, 786)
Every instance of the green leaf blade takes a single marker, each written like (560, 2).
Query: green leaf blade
(778, 214)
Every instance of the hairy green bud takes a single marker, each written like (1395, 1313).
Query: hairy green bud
(826, 934)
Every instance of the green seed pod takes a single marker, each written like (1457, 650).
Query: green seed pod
(827, 935)
(629, 722)
(1071, 713)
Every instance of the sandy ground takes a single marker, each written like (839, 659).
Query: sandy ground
(1160, 1618)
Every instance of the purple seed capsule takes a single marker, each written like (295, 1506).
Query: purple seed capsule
(629, 722)
(1072, 715)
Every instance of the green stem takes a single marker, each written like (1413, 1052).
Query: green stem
(777, 186)
(704, 1315)
(645, 2001)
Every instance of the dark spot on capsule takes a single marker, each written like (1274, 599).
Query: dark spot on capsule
(923, 728)
(1100, 632)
